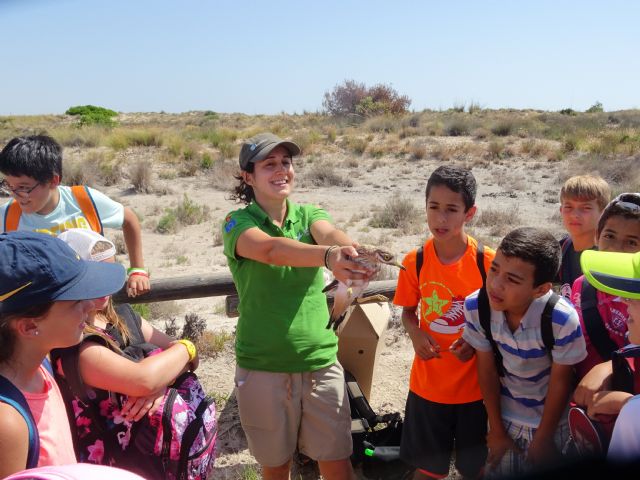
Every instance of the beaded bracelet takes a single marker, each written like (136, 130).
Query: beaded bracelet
(326, 255)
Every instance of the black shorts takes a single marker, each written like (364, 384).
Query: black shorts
(431, 430)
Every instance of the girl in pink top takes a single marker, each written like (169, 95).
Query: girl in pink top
(45, 299)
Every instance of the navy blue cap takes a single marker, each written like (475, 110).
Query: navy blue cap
(36, 268)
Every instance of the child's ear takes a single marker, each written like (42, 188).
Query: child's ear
(541, 289)
(55, 181)
(468, 216)
(26, 327)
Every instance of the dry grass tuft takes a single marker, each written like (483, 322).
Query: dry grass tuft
(399, 213)
(142, 177)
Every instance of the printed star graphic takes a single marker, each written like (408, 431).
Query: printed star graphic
(435, 304)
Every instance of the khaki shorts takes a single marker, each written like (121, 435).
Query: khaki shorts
(280, 411)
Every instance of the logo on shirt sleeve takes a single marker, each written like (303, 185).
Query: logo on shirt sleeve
(231, 222)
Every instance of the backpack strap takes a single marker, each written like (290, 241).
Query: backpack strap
(12, 216)
(546, 322)
(484, 315)
(88, 207)
(480, 262)
(419, 262)
(593, 323)
(132, 321)
(10, 395)
(565, 264)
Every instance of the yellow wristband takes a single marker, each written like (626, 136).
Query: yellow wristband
(191, 348)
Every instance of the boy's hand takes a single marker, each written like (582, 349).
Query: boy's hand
(462, 350)
(137, 285)
(499, 443)
(424, 344)
(542, 451)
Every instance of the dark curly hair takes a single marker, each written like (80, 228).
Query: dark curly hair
(242, 192)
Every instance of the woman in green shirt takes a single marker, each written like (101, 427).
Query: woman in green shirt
(290, 387)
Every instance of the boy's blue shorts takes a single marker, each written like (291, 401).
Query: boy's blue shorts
(431, 430)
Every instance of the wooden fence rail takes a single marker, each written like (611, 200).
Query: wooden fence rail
(219, 284)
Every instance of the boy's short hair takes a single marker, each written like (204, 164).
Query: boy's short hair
(585, 188)
(456, 179)
(35, 156)
(621, 206)
(537, 247)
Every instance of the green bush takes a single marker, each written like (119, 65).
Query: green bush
(595, 108)
(92, 115)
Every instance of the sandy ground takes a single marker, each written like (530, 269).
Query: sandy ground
(525, 188)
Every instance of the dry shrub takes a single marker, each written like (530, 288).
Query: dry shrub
(118, 241)
(121, 139)
(457, 127)
(480, 133)
(193, 328)
(398, 213)
(495, 149)
(324, 175)
(79, 171)
(534, 148)
(444, 152)
(222, 175)
(142, 177)
(356, 145)
(79, 137)
(212, 343)
(418, 151)
(498, 221)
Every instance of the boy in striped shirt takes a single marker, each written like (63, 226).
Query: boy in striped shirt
(526, 391)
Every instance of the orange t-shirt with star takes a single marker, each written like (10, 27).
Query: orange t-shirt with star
(440, 294)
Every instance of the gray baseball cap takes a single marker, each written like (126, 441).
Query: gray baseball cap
(257, 148)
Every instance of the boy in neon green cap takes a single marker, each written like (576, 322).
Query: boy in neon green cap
(618, 274)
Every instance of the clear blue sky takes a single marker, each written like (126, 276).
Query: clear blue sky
(274, 56)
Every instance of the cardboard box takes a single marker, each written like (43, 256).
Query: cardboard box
(360, 341)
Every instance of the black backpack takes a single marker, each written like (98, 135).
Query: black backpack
(376, 438)
(484, 315)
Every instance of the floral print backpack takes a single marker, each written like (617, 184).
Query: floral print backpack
(176, 443)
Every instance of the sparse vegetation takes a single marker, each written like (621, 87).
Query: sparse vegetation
(186, 213)
(398, 213)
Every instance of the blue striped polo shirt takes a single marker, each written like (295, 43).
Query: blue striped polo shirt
(526, 361)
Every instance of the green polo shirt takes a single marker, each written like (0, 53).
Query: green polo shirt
(283, 312)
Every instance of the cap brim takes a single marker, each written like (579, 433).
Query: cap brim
(612, 272)
(98, 280)
(290, 146)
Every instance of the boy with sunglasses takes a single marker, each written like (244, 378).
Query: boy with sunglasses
(32, 169)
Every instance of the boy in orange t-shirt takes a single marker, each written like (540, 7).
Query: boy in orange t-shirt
(444, 405)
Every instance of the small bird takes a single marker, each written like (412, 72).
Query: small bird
(343, 295)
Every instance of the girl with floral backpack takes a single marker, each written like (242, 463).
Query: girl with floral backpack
(131, 391)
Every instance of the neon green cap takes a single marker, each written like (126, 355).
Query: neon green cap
(612, 272)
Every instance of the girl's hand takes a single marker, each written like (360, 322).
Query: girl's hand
(137, 407)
